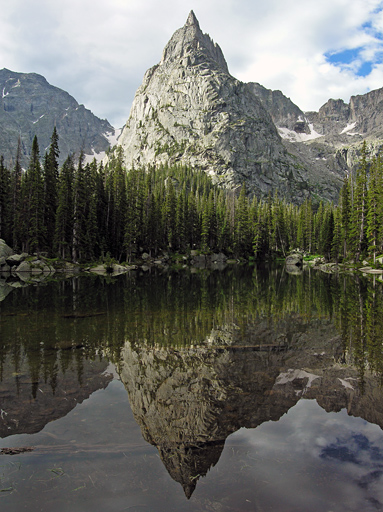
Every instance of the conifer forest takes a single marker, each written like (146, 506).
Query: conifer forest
(86, 211)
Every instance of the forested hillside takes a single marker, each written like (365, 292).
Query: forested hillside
(85, 212)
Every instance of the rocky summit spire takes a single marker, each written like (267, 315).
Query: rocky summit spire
(192, 20)
(190, 46)
(189, 110)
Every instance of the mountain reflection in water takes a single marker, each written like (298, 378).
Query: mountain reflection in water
(201, 355)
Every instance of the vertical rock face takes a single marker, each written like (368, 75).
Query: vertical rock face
(284, 113)
(190, 110)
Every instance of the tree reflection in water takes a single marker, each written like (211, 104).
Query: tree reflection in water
(200, 354)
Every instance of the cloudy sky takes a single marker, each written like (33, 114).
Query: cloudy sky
(98, 50)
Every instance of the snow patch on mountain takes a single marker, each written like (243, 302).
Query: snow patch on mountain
(112, 138)
(348, 128)
(293, 136)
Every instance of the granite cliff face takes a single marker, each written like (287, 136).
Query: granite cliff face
(190, 110)
(30, 106)
(332, 137)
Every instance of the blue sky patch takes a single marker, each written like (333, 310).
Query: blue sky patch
(347, 57)
(365, 69)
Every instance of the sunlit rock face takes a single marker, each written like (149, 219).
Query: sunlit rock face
(190, 110)
(188, 400)
(332, 137)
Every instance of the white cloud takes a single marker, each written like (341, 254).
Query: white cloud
(98, 50)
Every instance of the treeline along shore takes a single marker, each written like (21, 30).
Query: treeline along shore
(84, 212)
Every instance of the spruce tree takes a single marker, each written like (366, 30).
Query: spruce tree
(345, 205)
(34, 202)
(80, 207)
(5, 202)
(243, 244)
(51, 172)
(374, 199)
(18, 221)
(63, 239)
(359, 207)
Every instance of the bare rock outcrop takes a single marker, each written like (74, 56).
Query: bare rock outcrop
(190, 110)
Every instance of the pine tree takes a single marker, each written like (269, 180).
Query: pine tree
(5, 202)
(359, 206)
(101, 211)
(337, 243)
(65, 214)
(181, 221)
(327, 232)
(18, 221)
(192, 220)
(169, 213)
(80, 205)
(116, 192)
(224, 242)
(241, 229)
(89, 246)
(345, 205)
(130, 232)
(34, 202)
(51, 172)
(374, 207)
(208, 222)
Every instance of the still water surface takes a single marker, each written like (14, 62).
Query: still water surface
(236, 390)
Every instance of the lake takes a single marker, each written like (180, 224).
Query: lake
(243, 389)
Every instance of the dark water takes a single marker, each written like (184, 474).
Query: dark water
(240, 390)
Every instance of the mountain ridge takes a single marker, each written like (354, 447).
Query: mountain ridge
(190, 110)
(30, 106)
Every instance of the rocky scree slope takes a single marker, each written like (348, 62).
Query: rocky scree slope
(30, 106)
(190, 110)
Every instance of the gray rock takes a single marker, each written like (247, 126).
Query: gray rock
(16, 259)
(218, 258)
(34, 267)
(190, 110)
(294, 259)
(31, 106)
(5, 250)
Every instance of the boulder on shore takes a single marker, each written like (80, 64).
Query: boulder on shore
(5, 250)
(294, 258)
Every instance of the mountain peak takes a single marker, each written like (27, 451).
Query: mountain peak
(192, 20)
(190, 46)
